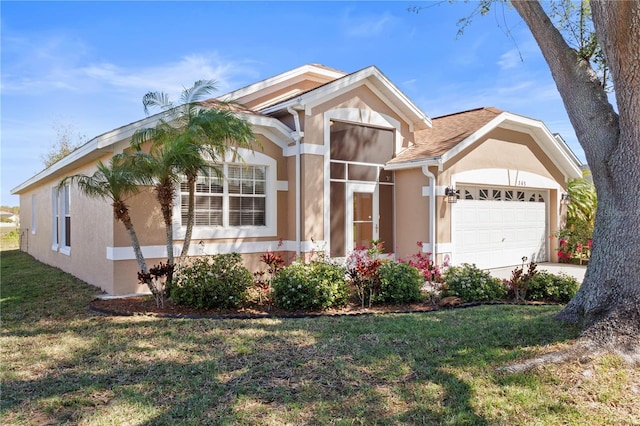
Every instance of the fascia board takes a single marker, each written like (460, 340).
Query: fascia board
(404, 106)
(559, 155)
(414, 164)
(88, 151)
(271, 128)
(106, 142)
(261, 85)
(556, 150)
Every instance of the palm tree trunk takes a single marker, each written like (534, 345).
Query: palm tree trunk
(165, 198)
(191, 183)
(121, 212)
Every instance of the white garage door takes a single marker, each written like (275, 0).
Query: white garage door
(496, 227)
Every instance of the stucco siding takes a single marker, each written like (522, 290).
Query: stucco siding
(412, 211)
(91, 231)
(312, 197)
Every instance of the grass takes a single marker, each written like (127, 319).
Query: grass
(63, 364)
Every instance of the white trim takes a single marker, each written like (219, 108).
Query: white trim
(554, 148)
(351, 115)
(281, 78)
(65, 210)
(373, 78)
(159, 251)
(443, 248)
(271, 128)
(305, 148)
(431, 193)
(282, 185)
(370, 188)
(503, 177)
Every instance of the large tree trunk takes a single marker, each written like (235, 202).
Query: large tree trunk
(608, 302)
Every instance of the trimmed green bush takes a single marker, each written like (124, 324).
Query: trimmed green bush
(217, 281)
(315, 285)
(399, 283)
(551, 287)
(472, 284)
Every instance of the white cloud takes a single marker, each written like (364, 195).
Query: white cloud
(367, 26)
(57, 62)
(510, 59)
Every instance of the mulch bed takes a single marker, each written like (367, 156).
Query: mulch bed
(145, 305)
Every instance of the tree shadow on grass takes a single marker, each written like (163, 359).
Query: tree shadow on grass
(387, 369)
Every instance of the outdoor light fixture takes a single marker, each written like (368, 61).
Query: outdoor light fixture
(565, 199)
(452, 194)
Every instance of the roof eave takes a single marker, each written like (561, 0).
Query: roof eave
(414, 164)
(418, 119)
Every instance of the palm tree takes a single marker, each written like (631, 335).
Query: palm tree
(184, 142)
(584, 201)
(116, 182)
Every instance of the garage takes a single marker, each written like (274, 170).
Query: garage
(495, 227)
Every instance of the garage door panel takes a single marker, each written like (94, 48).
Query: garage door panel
(493, 233)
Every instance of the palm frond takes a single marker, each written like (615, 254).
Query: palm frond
(158, 100)
(200, 89)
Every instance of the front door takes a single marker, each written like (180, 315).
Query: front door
(362, 215)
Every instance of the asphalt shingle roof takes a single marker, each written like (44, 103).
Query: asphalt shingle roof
(446, 133)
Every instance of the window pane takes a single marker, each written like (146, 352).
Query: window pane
(245, 189)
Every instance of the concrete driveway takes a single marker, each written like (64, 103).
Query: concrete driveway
(576, 271)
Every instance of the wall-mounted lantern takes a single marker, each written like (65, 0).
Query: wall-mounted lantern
(451, 194)
(565, 199)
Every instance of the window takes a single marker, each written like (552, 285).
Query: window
(61, 219)
(240, 199)
(66, 217)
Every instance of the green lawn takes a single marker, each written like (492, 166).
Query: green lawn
(63, 364)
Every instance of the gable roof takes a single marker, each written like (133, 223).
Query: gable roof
(371, 77)
(453, 133)
(112, 142)
(316, 73)
(446, 132)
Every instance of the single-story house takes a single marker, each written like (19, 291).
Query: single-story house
(9, 219)
(344, 159)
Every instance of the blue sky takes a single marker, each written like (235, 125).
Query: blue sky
(87, 64)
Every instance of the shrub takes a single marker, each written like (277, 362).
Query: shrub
(364, 275)
(472, 284)
(551, 287)
(217, 281)
(315, 285)
(425, 265)
(399, 283)
(518, 284)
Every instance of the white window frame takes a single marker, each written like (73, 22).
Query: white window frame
(60, 210)
(65, 212)
(214, 232)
